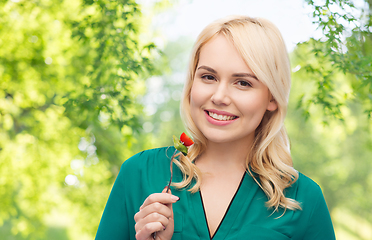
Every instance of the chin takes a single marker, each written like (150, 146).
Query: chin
(227, 137)
(219, 138)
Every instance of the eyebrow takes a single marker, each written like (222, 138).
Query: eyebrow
(245, 75)
(234, 75)
(208, 69)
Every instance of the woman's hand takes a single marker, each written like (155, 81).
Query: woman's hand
(156, 215)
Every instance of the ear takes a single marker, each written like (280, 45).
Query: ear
(273, 105)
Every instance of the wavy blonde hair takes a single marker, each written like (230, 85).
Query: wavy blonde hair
(261, 46)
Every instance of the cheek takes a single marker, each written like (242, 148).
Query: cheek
(196, 95)
(192, 99)
(254, 104)
(193, 102)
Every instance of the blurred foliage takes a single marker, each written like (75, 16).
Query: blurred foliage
(332, 88)
(346, 47)
(162, 100)
(70, 74)
(337, 154)
(71, 77)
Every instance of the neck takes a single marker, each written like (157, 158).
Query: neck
(225, 156)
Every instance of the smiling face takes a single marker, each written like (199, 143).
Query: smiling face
(227, 101)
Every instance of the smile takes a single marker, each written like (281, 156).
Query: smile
(221, 117)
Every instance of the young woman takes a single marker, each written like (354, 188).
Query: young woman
(237, 182)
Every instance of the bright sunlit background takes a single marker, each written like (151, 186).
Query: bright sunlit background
(188, 18)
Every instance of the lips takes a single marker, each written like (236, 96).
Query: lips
(220, 115)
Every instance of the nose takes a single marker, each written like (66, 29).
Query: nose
(221, 95)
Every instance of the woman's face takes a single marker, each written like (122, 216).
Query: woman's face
(227, 101)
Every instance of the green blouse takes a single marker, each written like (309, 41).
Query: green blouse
(246, 218)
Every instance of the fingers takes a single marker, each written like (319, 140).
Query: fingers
(160, 197)
(156, 204)
(155, 215)
(161, 220)
(165, 190)
(148, 229)
(153, 212)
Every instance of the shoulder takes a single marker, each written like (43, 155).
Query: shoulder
(148, 163)
(149, 157)
(307, 192)
(306, 185)
(314, 216)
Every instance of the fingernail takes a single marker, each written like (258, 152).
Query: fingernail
(175, 198)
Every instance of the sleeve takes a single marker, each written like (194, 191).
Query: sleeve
(320, 224)
(114, 223)
(142, 174)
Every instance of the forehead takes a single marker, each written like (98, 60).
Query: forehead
(220, 54)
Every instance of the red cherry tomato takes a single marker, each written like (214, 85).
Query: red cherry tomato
(186, 140)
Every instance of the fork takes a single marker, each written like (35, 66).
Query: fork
(170, 182)
(171, 171)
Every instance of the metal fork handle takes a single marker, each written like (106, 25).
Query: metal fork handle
(171, 171)
(170, 182)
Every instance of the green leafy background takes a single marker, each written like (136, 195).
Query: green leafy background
(82, 88)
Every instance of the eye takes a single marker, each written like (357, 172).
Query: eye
(244, 83)
(208, 77)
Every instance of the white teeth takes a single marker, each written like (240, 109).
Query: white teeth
(220, 117)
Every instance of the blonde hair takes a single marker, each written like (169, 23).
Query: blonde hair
(261, 46)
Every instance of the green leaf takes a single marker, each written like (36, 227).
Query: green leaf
(179, 146)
